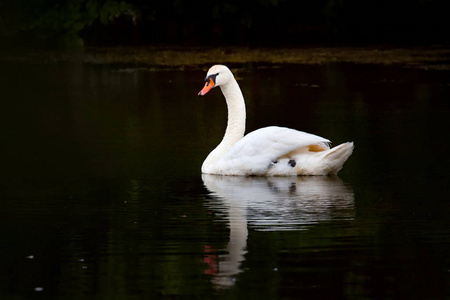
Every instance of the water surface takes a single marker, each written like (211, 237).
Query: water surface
(102, 195)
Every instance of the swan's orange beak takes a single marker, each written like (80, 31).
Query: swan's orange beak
(208, 85)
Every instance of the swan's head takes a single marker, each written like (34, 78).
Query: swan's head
(217, 75)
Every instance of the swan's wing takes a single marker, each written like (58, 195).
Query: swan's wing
(255, 151)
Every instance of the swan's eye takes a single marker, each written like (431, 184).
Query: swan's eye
(212, 77)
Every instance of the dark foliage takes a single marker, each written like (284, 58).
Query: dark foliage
(253, 22)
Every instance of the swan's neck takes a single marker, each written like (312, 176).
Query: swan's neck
(235, 125)
(236, 114)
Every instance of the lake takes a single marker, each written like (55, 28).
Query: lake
(102, 195)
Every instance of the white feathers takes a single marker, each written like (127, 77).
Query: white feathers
(269, 151)
(262, 149)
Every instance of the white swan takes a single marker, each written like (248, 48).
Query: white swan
(269, 151)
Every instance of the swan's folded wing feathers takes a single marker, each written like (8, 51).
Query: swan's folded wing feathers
(255, 151)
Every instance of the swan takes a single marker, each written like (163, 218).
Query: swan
(269, 151)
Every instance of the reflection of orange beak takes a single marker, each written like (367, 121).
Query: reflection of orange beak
(208, 85)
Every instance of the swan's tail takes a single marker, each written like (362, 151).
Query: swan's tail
(322, 162)
(336, 157)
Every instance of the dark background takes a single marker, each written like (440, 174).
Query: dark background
(78, 23)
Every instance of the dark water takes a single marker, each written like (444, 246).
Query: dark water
(102, 197)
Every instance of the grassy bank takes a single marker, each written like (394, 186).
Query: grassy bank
(436, 57)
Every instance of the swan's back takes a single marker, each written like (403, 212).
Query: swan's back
(272, 151)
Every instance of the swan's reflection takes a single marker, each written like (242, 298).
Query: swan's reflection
(275, 203)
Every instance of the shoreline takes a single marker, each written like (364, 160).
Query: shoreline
(426, 57)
